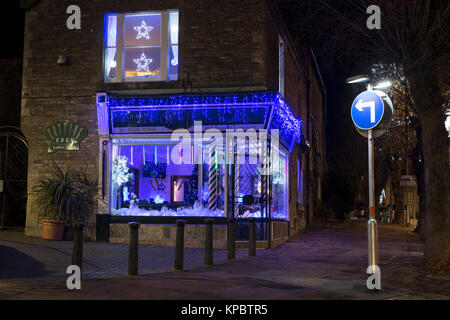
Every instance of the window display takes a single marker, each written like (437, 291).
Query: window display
(160, 186)
(280, 205)
(138, 45)
(153, 176)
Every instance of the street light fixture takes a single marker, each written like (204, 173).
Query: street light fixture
(358, 79)
(383, 84)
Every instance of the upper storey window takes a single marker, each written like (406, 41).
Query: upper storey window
(141, 46)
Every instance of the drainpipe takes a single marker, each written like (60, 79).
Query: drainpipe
(308, 138)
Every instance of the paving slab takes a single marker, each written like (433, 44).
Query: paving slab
(326, 263)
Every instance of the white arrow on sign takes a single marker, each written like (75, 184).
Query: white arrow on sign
(371, 104)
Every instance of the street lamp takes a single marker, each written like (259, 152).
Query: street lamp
(372, 233)
(383, 85)
(358, 79)
(362, 78)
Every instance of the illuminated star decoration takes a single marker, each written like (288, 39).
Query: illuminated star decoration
(143, 30)
(142, 63)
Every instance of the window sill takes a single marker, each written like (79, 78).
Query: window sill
(141, 85)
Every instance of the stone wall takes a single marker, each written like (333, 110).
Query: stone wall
(165, 235)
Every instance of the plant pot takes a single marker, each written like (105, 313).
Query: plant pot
(53, 229)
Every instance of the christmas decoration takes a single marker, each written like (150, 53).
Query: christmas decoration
(242, 108)
(278, 179)
(191, 192)
(142, 63)
(212, 200)
(120, 171)
(143, 31)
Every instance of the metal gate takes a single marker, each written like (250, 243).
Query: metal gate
(13, 177)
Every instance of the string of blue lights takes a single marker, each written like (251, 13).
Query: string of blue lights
(180, 111)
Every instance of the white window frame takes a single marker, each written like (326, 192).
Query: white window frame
(120, 48)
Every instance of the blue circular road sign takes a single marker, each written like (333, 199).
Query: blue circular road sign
(367, 110)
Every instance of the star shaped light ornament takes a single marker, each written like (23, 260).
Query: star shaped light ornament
(142, 63)
(143, 30)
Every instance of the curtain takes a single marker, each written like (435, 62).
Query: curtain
(111, 43)
(173, 21)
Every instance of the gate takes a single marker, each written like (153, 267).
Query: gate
(13, 177)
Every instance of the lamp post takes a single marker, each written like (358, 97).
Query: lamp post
(372, 233)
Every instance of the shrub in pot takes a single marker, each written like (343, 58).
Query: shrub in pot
(61, 198)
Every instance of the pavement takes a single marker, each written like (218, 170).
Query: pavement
(328, 262)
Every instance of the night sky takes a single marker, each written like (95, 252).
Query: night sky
(12, 25)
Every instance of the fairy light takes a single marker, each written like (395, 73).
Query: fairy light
(131, 156)
(143, 153)
(232, 109)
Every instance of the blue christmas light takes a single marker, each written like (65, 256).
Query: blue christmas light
(222, 109)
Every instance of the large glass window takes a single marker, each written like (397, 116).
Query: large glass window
(161, 180)
(141, 46)
(280, 205)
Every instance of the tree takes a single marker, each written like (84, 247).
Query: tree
(413, 35)
(400, 148)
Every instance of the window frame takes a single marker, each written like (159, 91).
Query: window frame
(165, 46)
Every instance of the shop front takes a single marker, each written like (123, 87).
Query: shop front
(194, 157)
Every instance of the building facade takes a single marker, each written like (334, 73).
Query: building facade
(139, 72)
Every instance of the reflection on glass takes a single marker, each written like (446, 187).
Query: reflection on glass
(142, 62)
(142, 30)
(111, 43)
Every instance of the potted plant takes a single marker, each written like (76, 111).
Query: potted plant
(61, 198)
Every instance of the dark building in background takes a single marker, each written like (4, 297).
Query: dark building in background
(135, 71)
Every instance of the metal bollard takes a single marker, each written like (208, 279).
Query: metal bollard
(251, 238)
(77, 253)
(231, 238)
(133, 252)
(179, 246)
(208, 242)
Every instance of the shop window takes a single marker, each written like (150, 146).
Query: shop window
(280, 206)
(141, 46)
(148, 180)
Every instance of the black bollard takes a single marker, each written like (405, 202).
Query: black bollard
(231, 238)
(179, 245)
(133, 252)
(208, 242)
(77, 253)
(251, 238)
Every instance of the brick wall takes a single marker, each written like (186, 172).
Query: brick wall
(10, 84)
(223, 44)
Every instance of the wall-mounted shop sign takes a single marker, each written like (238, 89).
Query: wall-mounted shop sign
(65, 135)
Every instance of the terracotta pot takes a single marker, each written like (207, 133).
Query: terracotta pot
(53, 229)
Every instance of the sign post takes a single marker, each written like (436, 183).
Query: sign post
(367, 113)
(372, 232)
